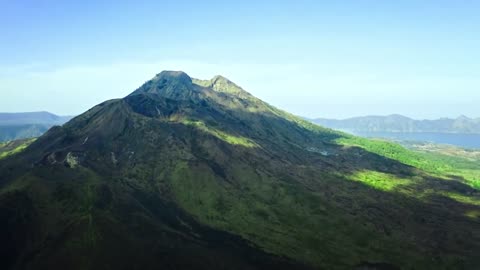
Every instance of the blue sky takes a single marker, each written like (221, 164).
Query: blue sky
(312, 58)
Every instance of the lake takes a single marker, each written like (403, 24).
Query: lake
(457, 139)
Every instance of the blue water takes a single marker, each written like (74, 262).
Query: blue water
(461, 140)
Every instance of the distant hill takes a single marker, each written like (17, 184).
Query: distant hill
(24, 125)
(400, 123)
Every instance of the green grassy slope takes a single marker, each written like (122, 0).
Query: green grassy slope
(13, 147)
(437, 164)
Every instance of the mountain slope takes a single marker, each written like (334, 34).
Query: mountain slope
(14, 126)
(399, 123)
(191, 174)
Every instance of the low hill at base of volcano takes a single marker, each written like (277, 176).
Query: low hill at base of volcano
(192, 174)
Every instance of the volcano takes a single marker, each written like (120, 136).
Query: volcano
(199, 174)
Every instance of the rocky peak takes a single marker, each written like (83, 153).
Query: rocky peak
(173, 76)
(169, 84)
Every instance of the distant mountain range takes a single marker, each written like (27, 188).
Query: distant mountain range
(400, 123)
(24, 125)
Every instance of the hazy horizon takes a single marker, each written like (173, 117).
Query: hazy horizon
(311, 118)
(311, 58)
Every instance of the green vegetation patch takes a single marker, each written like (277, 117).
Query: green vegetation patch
(231, 139)
(14, 147)
(461, 198)
(438, 165)
(388, 182)
(381, 181)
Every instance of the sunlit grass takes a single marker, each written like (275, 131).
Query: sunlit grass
(392, 183)
(473, 214)
(231, 139)
(437, 165)
(15, 150)
(461, 198)
(381, 181)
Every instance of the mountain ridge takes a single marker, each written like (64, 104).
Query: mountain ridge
(14, 126)
(40, 117)
(400, 123)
